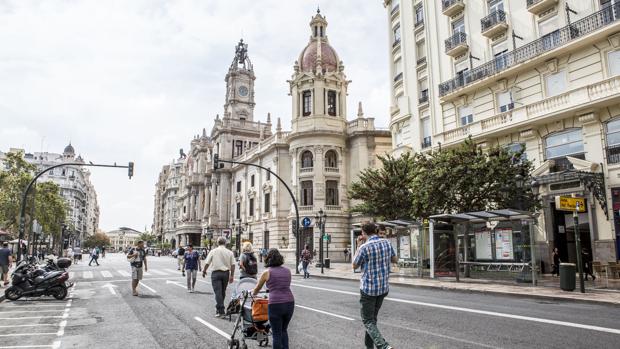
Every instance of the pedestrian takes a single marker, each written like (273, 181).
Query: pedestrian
(103, 252)
(556, 262)
(281, 301)
(306, 258)
(346, 254)
(374, 257)
(6, 262)
(223, 262)
(94, 255)
(248, 266)
(137, 260)
(192, 265)
(586, 260)
(180, 260)
(77, 254)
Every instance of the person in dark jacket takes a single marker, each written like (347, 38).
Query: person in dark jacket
(586, 259)
(556, 262)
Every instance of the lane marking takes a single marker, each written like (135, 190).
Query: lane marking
(56, 345)
(30, 311)
(173, 271)
(106, 274)
(29, 346)
(71, 275)
(434, 334)
(148, 288)
(175, 283)
(61, 328)
(480, 312)
(30, 325)
(87, 275)
(17, 305)
(158, 272)
(123, 272)
(30, 317)
(325, 312)
(217, 330)
(26, 334)
(110, 288)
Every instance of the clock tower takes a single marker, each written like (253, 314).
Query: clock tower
(240, 86)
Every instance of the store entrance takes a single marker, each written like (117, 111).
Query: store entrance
(564, 233)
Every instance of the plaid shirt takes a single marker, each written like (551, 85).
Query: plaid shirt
(374, 257)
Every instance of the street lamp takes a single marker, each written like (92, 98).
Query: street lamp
(238, 242)
(320, 218)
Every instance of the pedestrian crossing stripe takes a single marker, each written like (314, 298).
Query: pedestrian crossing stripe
(106, 274)
(88, 275)
(158, 272)
(71, 275)
(123, 272)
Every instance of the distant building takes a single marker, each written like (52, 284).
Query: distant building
(122, 238)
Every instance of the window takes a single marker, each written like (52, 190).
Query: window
(499, 53)
(331, 103)
(613, 133)
(517, 148)
(564, 143)
(458, 26)
(398, 70)
(239, 187)
(306, 193)
(331, 159)
(426, 132)
(307, 159)
(268, 177)
(238, 210)
(421, 49)
(396, 33)
(555, 83)
(423, 88)
(613, 62)
(504, 101)
(238, 148)
(419, 15)
(251, 207)
(549, 32)
(466, 115)
(331, 192)
(307, 103)
(267, 205)
(495, 5)
(252, 180)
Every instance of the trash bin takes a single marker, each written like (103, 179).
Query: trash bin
(567, 276)
(327, 262)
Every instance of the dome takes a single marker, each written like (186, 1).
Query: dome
(69, 150)
(329, 59)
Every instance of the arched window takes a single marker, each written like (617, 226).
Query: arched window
(613, 141)
(331, 159)
(562, 144)
(306, 159)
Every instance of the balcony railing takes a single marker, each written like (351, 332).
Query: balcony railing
(396, 43)
(538, 6)
(613, 154)
(306, 170)
(423, 96)
(421, 61)
(395, 9)
(426, 142)
(419, 23)
(305, 208)
(459, 38)
(451, 7)
(532, 50)
(398, 77)
(493, 19)
(332, 169)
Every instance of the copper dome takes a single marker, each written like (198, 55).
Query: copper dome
(329, 58)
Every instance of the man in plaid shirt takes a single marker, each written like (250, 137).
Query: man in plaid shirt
(374, 256)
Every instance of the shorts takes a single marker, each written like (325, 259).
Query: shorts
(4, 269)
(136, 273)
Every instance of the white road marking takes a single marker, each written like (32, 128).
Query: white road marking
(30, 317)
(175, 283)
(173, 271)
(110, 287)
(29, 346)
(480, 312)
(30, 311)
(30, 325)
(217, 330)
(56, 345)
(61, 328)
(17, 305)
(71, 275)
(325, 312)
(148, 288)
(123, 272)
(158, 272)
(87, 275)
(106, 274)
(26, 334)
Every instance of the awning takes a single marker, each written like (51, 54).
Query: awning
(483, 216)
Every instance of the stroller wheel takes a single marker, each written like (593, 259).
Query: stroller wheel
(264, 343)
(244, 346)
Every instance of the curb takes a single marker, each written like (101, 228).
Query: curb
(493, 292)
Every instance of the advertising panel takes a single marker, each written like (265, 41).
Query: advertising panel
(405, 247)
(484, 249)
(503, 244)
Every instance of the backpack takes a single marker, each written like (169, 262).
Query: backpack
(250, 265)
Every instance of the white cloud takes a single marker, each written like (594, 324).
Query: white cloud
(135, 80)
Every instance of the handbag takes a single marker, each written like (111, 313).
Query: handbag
(260, 309)
(300, 267)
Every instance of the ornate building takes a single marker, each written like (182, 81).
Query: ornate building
(319, 158)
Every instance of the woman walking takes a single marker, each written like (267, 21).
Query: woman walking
(247, 262)
(306, 257)
(556, 262)
(192, 266)
(281, 300)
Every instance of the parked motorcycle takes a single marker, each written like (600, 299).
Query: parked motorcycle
(28, 280)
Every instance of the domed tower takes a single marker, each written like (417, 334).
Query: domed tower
(240, 86)
(69, 152)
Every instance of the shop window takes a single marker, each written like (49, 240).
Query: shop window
(267, 198)
(331, 193)
(331, 159)
(466, 115)
(613, 63)
(307, 159)
(613, 141)
(331, 103)
(556, 83)
(306, 193)
(307, 103)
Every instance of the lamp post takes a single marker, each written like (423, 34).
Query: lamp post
(535, 190)
(320, 222)
(238, 240)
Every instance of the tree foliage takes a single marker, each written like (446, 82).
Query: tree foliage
(148, 238)
(97, 239)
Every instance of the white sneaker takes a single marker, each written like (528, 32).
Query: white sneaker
(189, 291)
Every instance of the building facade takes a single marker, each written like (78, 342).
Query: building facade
(123, 238)
(318, 159)
(75, 187)
(533, 75)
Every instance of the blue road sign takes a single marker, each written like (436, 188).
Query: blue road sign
(306, 222)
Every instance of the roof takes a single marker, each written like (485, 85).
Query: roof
(483, 216)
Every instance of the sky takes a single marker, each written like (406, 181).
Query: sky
(135, 80)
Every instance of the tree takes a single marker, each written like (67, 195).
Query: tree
(97, 239)
(50, 208)
(148, 238)
(14, 178)
(385, 192)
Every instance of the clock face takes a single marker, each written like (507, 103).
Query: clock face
(243, 91)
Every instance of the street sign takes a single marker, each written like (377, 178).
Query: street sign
(226, 233)
(306, 222)
(327, 238)
(567, 203)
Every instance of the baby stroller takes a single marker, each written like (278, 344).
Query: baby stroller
(252, 321)
(234, 306)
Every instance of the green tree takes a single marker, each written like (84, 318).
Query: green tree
(97, 239)
(14, 177)
(385, 192)
(148, 238)
(50, 208)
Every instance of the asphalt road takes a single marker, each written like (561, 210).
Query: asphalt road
(102, 313)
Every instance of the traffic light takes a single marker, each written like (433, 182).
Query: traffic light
(216, 162)
(130, 169)
(294, 227)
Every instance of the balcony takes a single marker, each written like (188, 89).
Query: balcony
(421, 61)
(426, 142)
(419, 23)
(613, 154)
(494, 24)
(395, 9)
(332, 169)
(423, 97)
(456, 45)
(452, 7)
(538, 6)
(306, 170)
(398, 77)
(530, 52)
(305, 208)
(396, 43)
(563, 164)
(333, 208)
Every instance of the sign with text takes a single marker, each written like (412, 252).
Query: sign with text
(567, 203)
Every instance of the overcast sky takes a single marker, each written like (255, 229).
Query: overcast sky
(134, 80)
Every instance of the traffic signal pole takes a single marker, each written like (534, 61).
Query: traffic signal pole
(216, 166)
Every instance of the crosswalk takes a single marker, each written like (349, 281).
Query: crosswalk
(108, 274)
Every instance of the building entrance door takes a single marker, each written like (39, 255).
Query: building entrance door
(564, 233)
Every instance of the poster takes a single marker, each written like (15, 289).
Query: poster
(405, 247)
(503, 244)
(484, 248)
(394, 243)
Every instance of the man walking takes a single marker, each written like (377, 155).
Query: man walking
(137, 259)
(180, 258)
(223, 262)
(94, 255)
(192, 265)
(374, 256)
(6, 261)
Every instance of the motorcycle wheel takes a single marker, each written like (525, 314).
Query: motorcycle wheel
(59, 292)
(13, 293)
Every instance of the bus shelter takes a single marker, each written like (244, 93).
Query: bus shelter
(490, 244)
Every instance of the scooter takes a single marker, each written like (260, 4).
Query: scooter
(29, 281)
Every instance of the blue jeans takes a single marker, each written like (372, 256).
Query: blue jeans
(280, 315)
(304, 266)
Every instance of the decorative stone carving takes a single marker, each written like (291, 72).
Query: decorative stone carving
(614, 40)
(588, 118)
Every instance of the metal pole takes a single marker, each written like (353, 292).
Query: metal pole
(321, 243)
(582, 286)
(532, 252)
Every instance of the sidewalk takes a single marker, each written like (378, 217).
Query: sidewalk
(597, 296)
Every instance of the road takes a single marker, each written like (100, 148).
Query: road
(102, 313)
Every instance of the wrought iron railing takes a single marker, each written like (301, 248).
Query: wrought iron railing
(448, 3)
(494, 18)
(396, 43)
(423, 96)
(535, 48)
(532, 2)
(457, 39)
(418, 23)
(398, 77)
(421, 60)
(396, 8)
(426, 142)
(613, 154)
